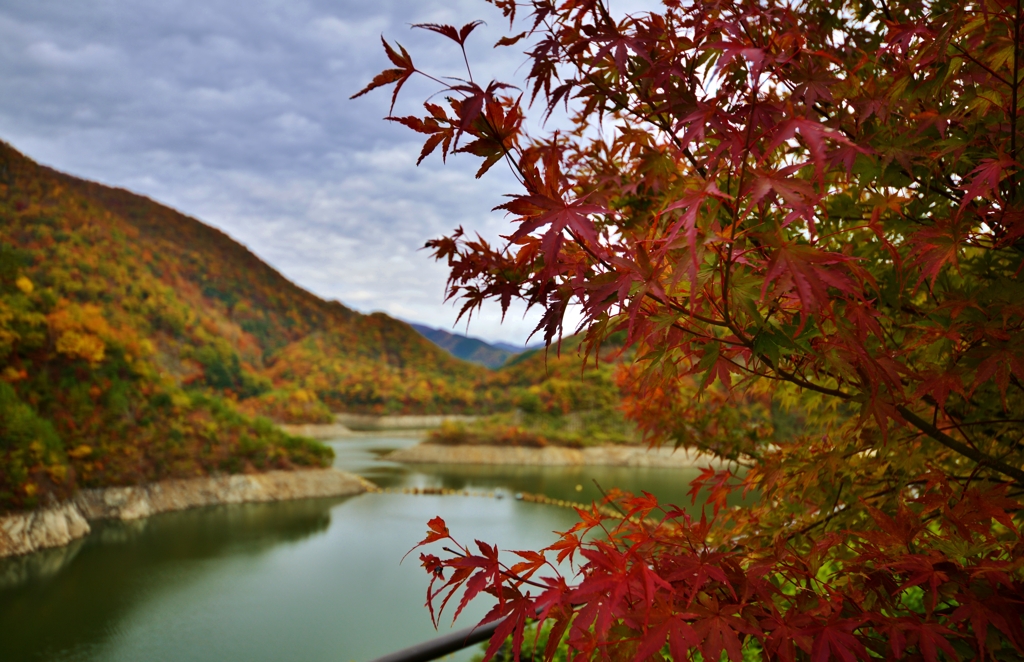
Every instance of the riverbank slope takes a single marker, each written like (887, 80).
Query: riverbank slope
(58, 525)
(617, 456)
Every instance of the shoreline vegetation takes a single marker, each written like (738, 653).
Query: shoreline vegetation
(501, 439)
(496, 440)
(576, 429)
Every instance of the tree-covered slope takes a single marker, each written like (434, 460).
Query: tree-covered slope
(137, 344)
(558, 397)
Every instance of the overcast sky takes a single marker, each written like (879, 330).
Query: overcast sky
(237, 113)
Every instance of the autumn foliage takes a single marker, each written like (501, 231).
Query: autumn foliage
(816, 206)
(556, 398)
(137, 344)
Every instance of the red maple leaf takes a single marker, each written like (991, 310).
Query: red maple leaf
(718, 626)
(808, 272)
(984, 180)
(400, 75)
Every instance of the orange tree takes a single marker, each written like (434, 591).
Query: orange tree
(817, 200)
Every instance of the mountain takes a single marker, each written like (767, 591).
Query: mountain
(137, 343)
(474, 350)
(514, 349)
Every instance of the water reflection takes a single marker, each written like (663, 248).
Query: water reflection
(303, 580)
(571, 483)
(53, 601)
(37, 567)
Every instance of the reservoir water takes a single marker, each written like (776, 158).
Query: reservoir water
(312, 580)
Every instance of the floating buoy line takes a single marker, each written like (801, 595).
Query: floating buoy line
(528, 497)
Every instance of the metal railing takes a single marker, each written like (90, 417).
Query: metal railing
(443, 645)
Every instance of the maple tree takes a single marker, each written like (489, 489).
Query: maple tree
(814, 202)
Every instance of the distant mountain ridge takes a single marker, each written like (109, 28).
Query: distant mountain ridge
(516, 349)
(467, 348)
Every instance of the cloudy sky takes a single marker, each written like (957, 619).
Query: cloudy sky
(237, 113)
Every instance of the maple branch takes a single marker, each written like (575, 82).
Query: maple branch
(783, 375)
(963, 433)
(683, 310)
(993, 421)
(736, 206)
(433, 78)
(465, 58)
(608, 500)
(985, 67)
(972, 477)
(885, 10)
(620, 106)
(952, 197)
(1013, 106)
(960, 447)
(833, 513)
(670, 304)
(507, 573)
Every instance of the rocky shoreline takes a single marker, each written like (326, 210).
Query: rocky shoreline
(557, 456)
(58, 525)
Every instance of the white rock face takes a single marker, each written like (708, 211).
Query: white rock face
(21, 533)
(128, 503)
(553, 456)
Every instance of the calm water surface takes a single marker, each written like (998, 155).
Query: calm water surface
(310, 580)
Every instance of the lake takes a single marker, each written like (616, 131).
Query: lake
(310, 580)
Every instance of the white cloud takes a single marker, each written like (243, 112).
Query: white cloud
(90, 56)
(238, 114)
(335, 33)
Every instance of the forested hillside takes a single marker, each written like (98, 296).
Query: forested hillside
(558, 397)
(137, 343)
